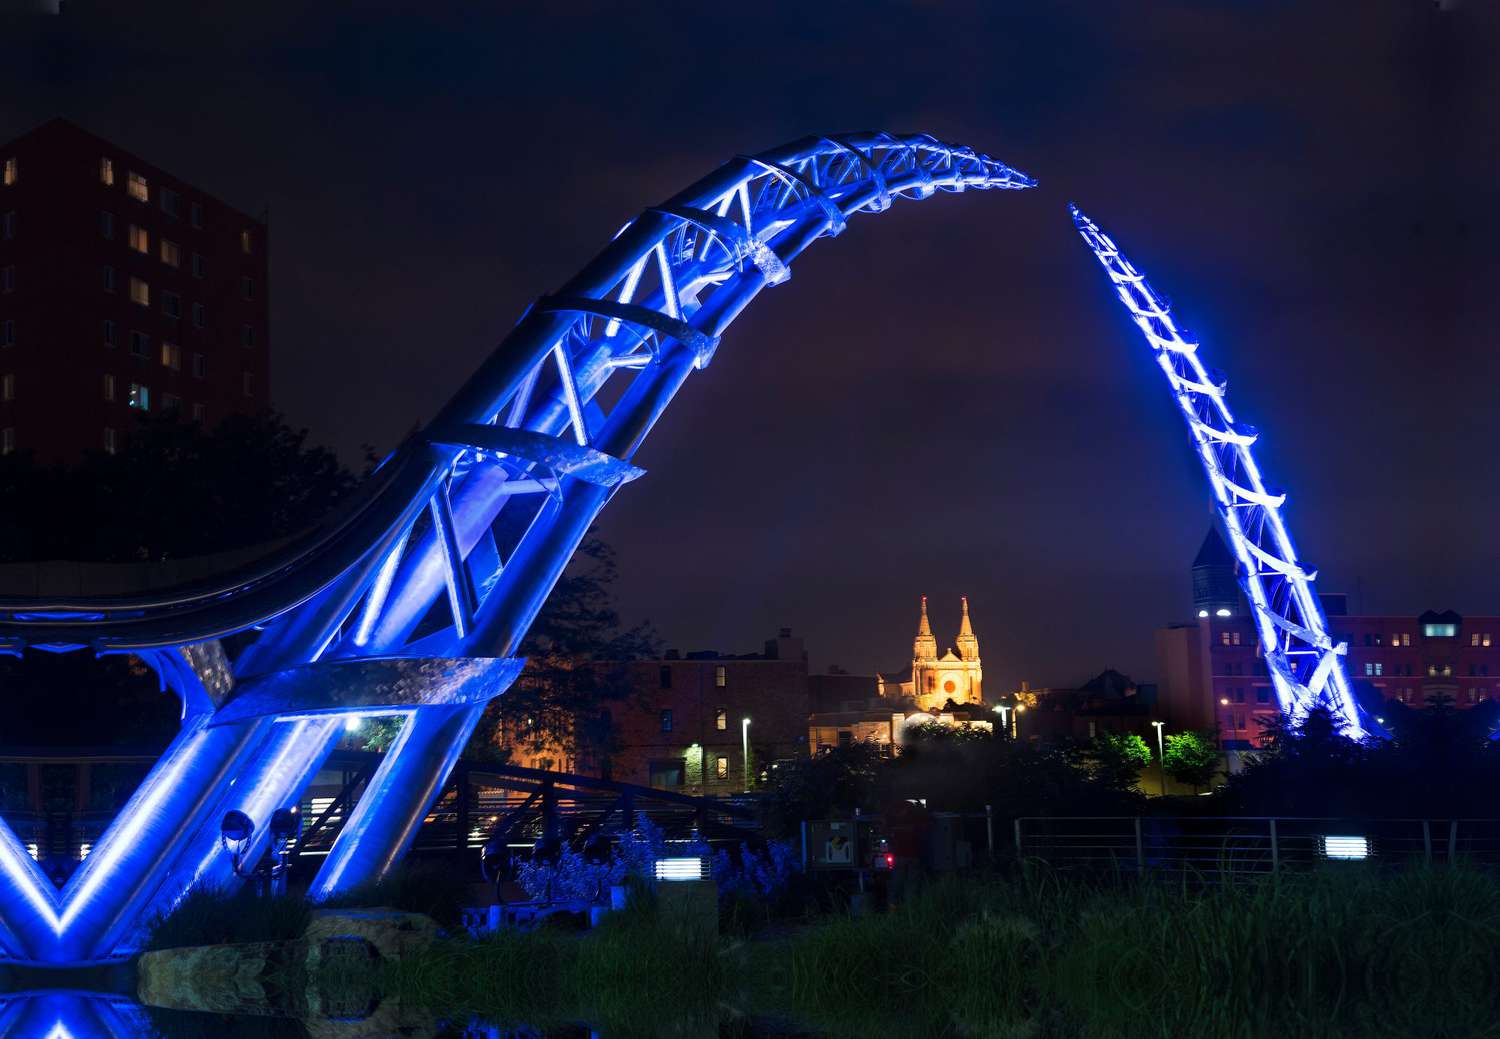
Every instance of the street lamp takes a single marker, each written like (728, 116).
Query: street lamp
(1161, 757)
(1004, 712)
(745, 748)
(1015, 725)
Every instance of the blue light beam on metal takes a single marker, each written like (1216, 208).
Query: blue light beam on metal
(487, 505)
(1306, 665)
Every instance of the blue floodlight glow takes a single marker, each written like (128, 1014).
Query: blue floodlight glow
(512, 473)
(1306, 666)
(1351, 848)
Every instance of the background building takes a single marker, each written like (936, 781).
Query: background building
(1212, 671)
(932, 681)
(123, 289)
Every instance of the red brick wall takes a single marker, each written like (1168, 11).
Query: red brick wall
(60, 305)
(771, 693)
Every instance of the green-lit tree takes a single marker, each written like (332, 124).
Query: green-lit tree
(1192, 757)
(1117, 758)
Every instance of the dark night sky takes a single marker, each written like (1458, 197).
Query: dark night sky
(946, 399)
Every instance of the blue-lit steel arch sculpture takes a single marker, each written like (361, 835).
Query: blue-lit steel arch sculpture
(414, 600)
(1305, 664)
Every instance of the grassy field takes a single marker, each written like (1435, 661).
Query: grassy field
(1347, 952)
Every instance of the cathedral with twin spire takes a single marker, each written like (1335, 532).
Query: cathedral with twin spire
(933, 681)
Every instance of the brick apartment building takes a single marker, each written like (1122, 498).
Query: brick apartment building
(1211, 670)
(682, 723)
(123, 289)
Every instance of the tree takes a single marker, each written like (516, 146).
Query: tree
(177, 490)
(1116, 758)
(1192, 757)
(575, 655)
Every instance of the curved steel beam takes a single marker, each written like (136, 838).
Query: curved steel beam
(1306, 665)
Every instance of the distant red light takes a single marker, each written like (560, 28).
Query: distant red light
(890, 862)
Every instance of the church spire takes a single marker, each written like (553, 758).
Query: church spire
(968, 644)
(924, 647)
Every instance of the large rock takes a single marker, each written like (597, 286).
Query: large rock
(223, 979)
(390, 932)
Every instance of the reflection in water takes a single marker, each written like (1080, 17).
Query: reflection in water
(59, 1014)
(72, 1015)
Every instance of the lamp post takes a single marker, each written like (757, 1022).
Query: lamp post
(1004, 712)
(1161, 757)
(1015, 722)
(745, 748)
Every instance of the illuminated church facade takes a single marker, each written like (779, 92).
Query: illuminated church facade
(933, 681)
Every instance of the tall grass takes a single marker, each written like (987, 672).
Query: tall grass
(213, 916)
(631, 976)
(1346, 953)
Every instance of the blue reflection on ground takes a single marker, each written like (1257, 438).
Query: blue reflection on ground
(71, 1015)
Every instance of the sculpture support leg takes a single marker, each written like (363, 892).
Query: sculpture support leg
(400, 795)
(110, 888)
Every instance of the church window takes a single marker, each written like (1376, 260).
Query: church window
(949, 687)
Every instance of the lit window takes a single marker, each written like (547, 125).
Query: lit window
(140, 344)
(195, 214)
(171, 255)
(140, 292)
(169, 202)
(106, 172)
(136, 187)
(7, 386)
(109, 333)
(108, 278)
(171, 304)
(171, 356)
(247, 382)
(106, 224)
(139, 238)
(721, 719)
(1484, 640)
(1406, 638)
(109, 386)
(721, 676)
(110, 446)
(666, 720)
(7, 440)
(140, 396)
(1224, 638)
(247, 288)
(8, 279)
(245, 242)
(199, 266)
(10, 172)
(721, 767)
(199, 315)
(1439, 631)
(247, 335)
(7, 333)
(200, 366)
(200, 413)
(1369, 668)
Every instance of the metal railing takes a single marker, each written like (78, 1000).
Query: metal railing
(1212, 846)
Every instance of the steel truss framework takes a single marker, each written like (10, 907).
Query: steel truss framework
(414, 600)
(1305, 664)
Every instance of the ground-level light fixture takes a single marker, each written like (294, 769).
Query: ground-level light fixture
(1351, 849)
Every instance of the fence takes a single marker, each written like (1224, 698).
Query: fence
(1244, 845)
